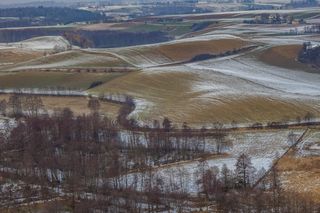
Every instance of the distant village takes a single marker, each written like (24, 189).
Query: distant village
(274, 18)
(115, 9)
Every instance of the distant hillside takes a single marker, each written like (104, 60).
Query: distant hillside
(84, 38)
(107, 39)
(36, 16)
(44, 43)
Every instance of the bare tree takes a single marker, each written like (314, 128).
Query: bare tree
(94, 105)
(33, 105)
(166, 124)
(15, 102)
(210, 182)
(244, 171)
(226, 177)
(3, 107)
(275, 188)
(309, 117)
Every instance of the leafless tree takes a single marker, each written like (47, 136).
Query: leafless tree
(15, 103)
(3, 107)
(166, 124)
(33, 105)
(244, 171)
(94, 105)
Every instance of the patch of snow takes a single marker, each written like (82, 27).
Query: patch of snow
(262, 147)
(315, 147)
(142, 105)
(43, 43)
(310, 146)
(73, 61)
(143, 56)
(255, 77)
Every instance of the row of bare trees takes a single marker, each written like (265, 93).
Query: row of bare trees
(96, 165)
(19, 105)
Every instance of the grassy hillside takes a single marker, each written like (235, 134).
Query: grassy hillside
(172, 94)
(284, 56)
(180, 51)
(187, 50)
(8, 56)
(53, 79)
(72, 59)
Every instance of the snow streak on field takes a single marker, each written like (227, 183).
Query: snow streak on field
(262, 147)
(249, 90)
(237, 87)
(43, 43)
(72, 59)
(233, 81)
(264, 79)
(6, 125)
(159, 54)
(141, 56)
(310, 146)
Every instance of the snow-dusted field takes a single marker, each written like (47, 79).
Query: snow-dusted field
(310, 146)
(145, 56)
(263, 79)
(196, 92)
(6, 125)
(71, 60)
(43, 43)
(227, 80)
(135, 56)
(219, 81)
(262, 147)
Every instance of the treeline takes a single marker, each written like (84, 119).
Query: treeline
(207, 56)
(270, 19)
(227, 190)
(6, 23)
(161, 141)
(107, 39)
(96, 166)
(310, 54)
(68, 155)
(22, 105)
(201, 25)
(36, 16)
(308, 119)
(85, 39)
(82, 160)
(16, 35)
(310, 29)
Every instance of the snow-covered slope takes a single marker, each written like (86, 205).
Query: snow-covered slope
(44, 43)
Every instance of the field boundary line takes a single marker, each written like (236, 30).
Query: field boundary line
(300, 139)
